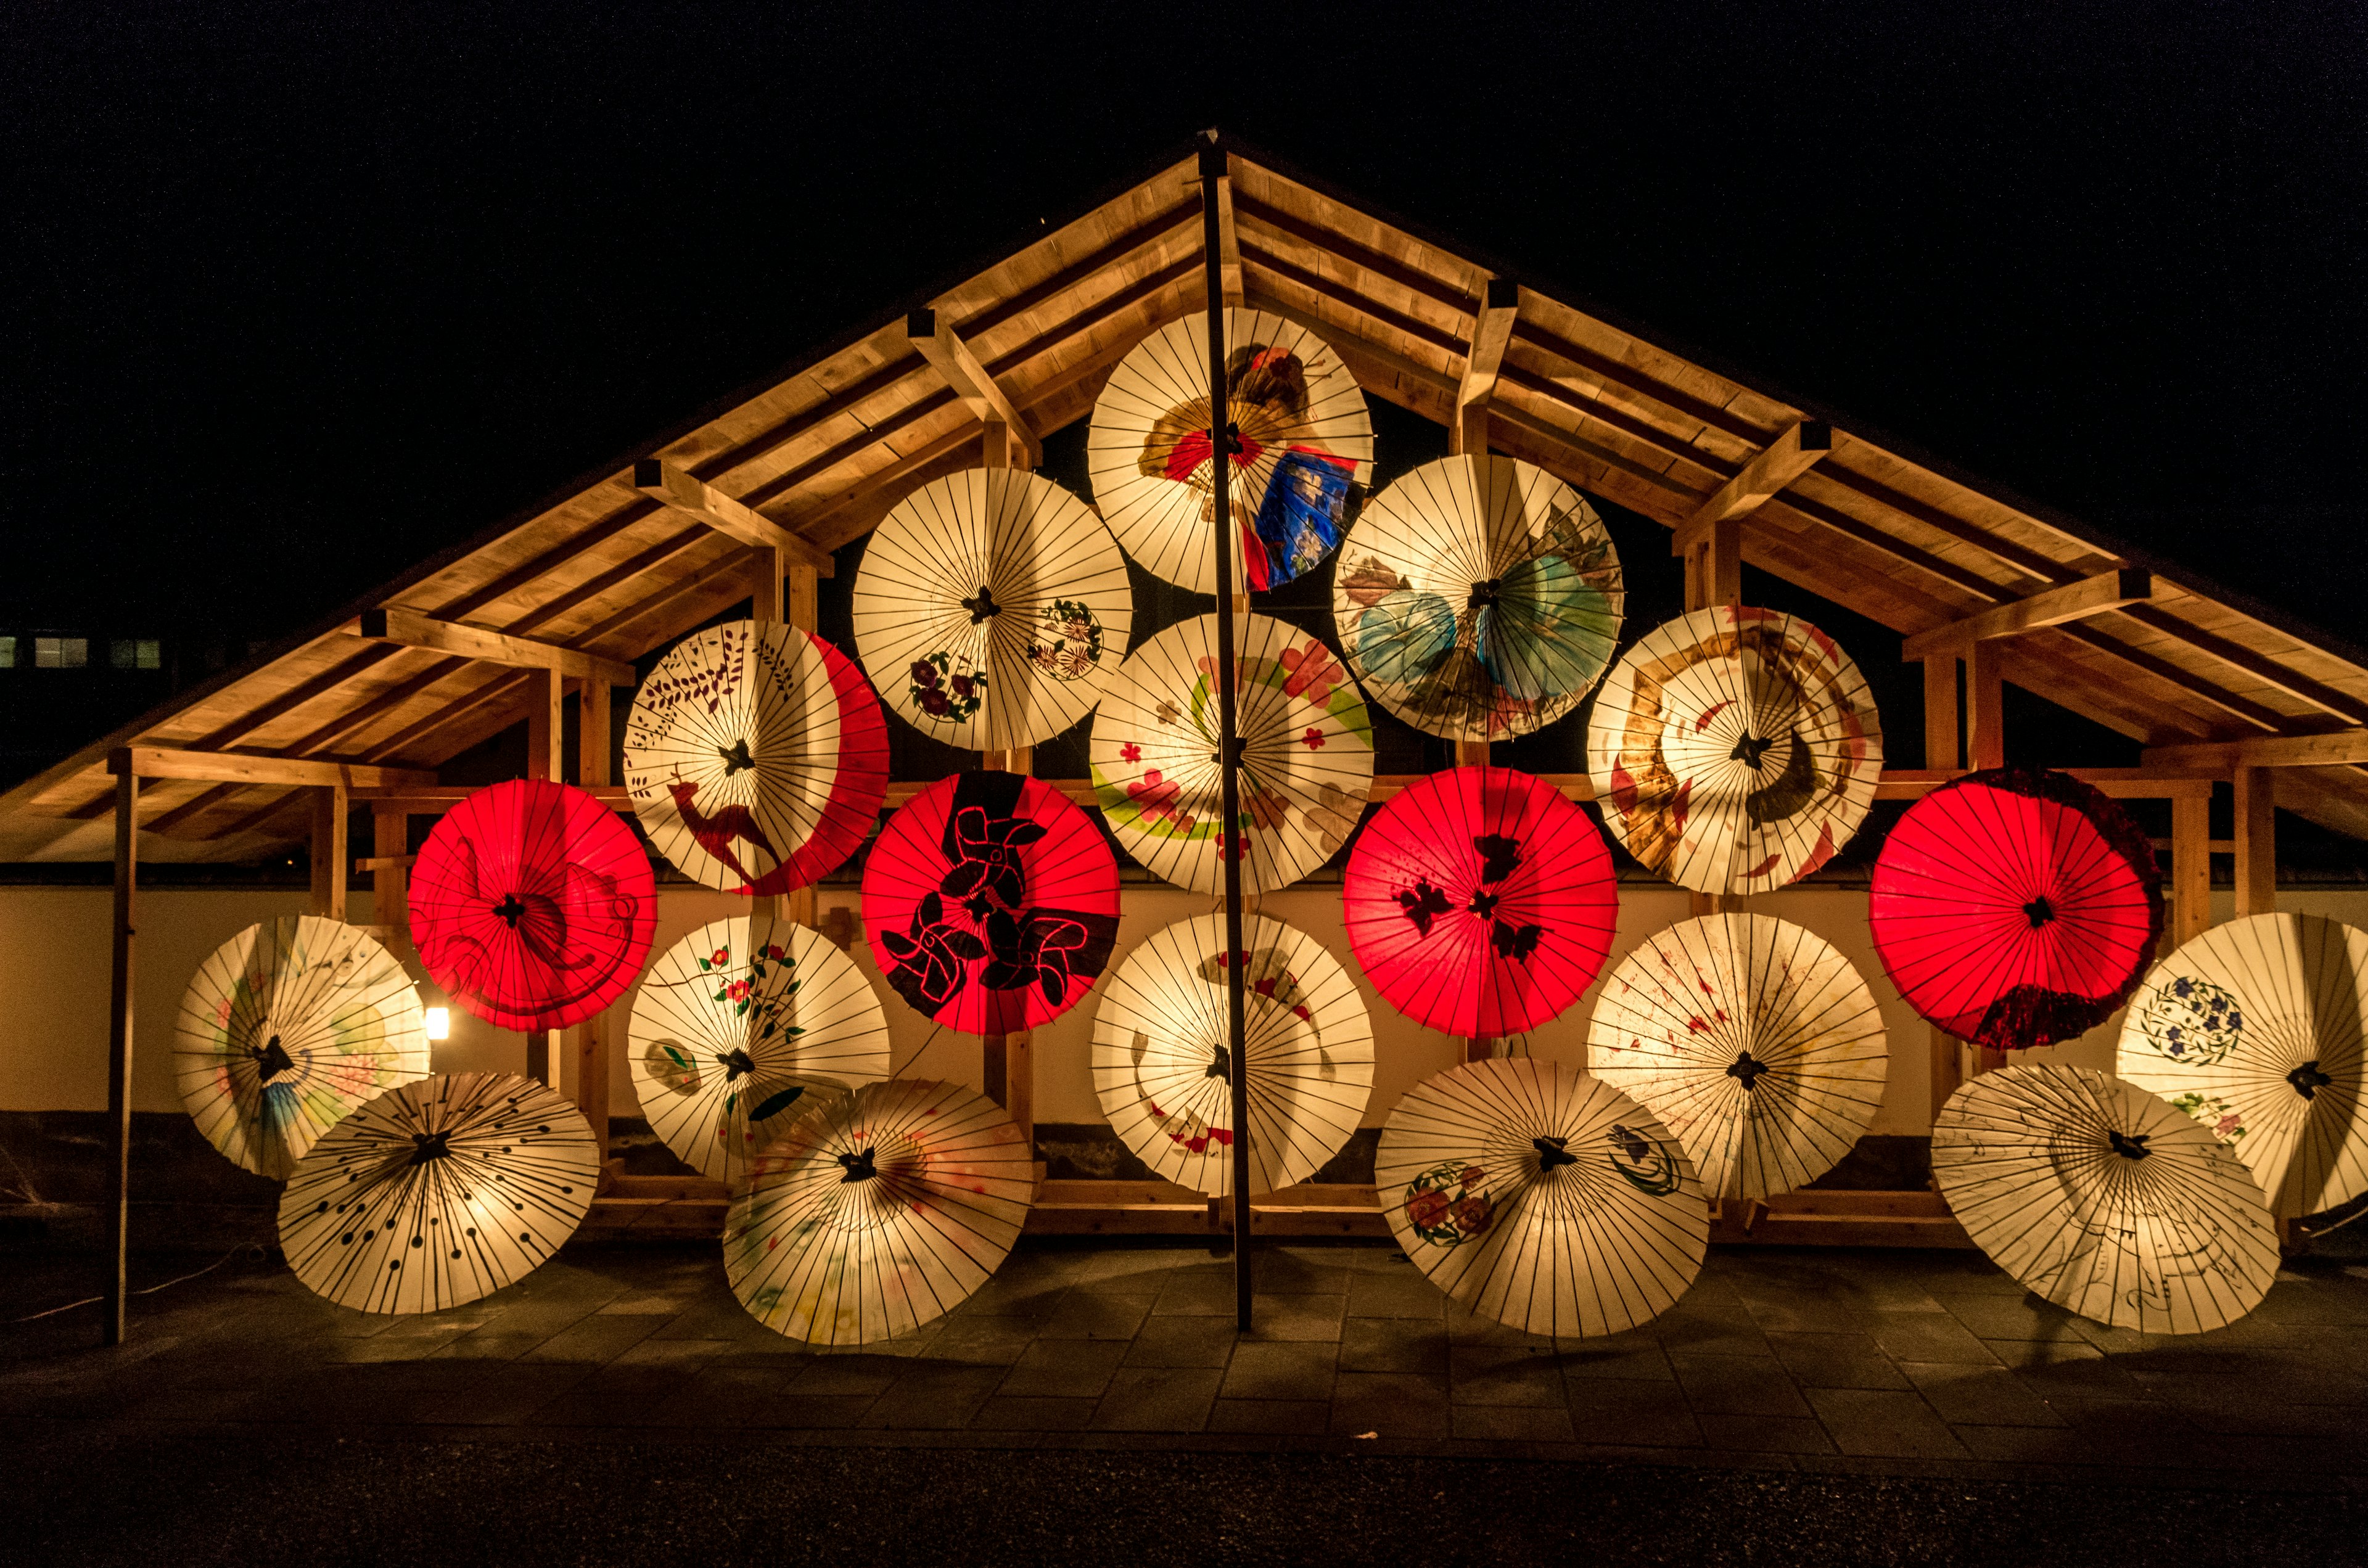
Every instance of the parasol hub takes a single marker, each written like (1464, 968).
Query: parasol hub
(735, 1063)
(511, 909)
(2039, 912)
(1746, 1068)
(2129, 1145)
(1222, 1067)
(1240, 749)
(2308, 1080)
(859, 1166)
(1552, 1152)
(1484, 594)
(1484, 902)
(427, 1146)
(736, 758)
(273, 1058)
(1750, 749)
(982, 605)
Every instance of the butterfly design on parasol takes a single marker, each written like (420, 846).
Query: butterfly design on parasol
(2014, 908)
(992, 609)
(1480, 901)
(1161, 1060)
(285, 1027)
(1304, 451)
(2103, 1199)
(1542, 1198)
(991, 901)
(1753, 1040)
(2254, 1028)
(1479, 597)
(533, 905)
(1735, 749)
(877, 1212)
(757, 758)
(1306, 754)
(741, 1027)
(439, 1193)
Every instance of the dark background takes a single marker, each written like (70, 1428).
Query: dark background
(298, 294)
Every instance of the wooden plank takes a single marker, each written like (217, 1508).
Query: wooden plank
(239, 767)
(2257, 842)
(119, 1055)
(2049, 607)
(1483, 360)
(410, 629)
(2344, 747)
(980, 392)
(2119, 783)
(1796, 450)
(694, 498)
(330, 808)
(2190, 869)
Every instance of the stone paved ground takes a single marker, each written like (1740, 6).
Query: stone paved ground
(1786, 1368)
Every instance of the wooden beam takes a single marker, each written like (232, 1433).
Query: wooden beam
(435, 800)
(1791, 454)
(546, 729)
(2049, 607)
(391, 860)
(2344, 747)
(764, 584)
(1985, 708)
(238, 767)
(952, 359)
(1483, 360)
(1229, 243)
(412, 630)
(118, 1056)
(684, 492)
(330, 807)
(2257, 842)
(1942, 741)
(2119, 783)
(2190, 869)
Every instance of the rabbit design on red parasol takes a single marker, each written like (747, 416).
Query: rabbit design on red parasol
(715, 833)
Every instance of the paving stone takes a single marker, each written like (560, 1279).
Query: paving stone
(1635, 1354)
(1392, 1405)
(1394, 1344)
(1928, 1336)
(1157, 1399)
(1878, 1423)
(2011, 1317)
(1738, 1385)
(1286, 1416)
(1089, 1313)
(1068, 1368)
(1963, 1394)
(983, 1341)
(1504, 1374)
(1630, 1411)
(1297, 1316)
(1287, 1370)
(684, 1353)
(1764, 1434)
(1205, 1341)
(934, 1398)
(724, 1398)
(1006, 1413)
(1511, 1423)
(1395, 1295)
(1811, 1312)
(866, 1377)
(1836, 1362)
(1710, 1328)
(1467, 1327)
(814, 1412)
(1196, 1295)
(596, 1339)
(1289, 1274)
(2052, 1368)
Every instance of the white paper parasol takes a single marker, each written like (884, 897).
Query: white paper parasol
(992, 609)
(1160, 1056)
(2101, 1198)
(1306, 448)
(743, 1027)
(2254, 1028)
(285, 1027)
(1753, 1040)
(438, 1193)
(1735, 750)
(877, 1212)
(757, 756)
(1306, 754)
(1479, 597)
(1542, 1198)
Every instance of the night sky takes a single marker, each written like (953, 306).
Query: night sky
(300, 294)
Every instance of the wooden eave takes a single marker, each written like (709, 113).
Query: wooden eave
(827, 447)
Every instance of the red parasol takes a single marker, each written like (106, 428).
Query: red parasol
(532, 904)
(991, 901)
(1480, 902)
(2015, 908)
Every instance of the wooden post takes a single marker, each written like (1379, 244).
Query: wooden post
(119, 1058)
(1985, 719)
(330, 853)
(546, 727)
(1007, 1061)
(1714, 563)
(2190, 869)
(802, 594)
(390, 842)
(1474, 754)
(1948, 1067)
(2257, 842)
(765, 606)
(1941, 740)
(592, 1037)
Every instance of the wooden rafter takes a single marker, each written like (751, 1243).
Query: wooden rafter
(236, 767)
(2049, 607)
(663, 482)
(410, 629)
(980, 392)
(2342, 748)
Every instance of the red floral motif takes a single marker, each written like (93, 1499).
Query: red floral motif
(1129, 753)
(1314, 673)
(1156, 797)
(1426, 1210)
(1312, 740)
(1471, 1215)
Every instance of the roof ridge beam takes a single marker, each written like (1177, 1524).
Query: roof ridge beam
(693, 497)
(411, 628)
(961, 369)
(1492, 329)
(2049, 607)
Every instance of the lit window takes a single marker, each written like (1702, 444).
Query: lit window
(61, 653)
(7, 652)
(141, 653)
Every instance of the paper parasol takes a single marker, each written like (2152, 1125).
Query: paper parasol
(1306, 754)
(2015, 908)
(991, 901)
(2254, 1029)
(285, 1027)
(438, 1192)
(1479, 597)
(992, 609)
(2098, 1196)
(743, 1027)
(1160, 1055)
(1480, 901)
(1542, 1198)
(1753, 1040)
(757, 756)
(877, 1212)
(1735, 750)
(533, 905)
(1306, 447)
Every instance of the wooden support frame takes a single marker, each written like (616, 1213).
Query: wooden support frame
(330, 811)
(1796, 450)
(2342, 748)
(953, 361)
(1008, 1060)
(546, 727)
(2050, 607)
(1944, 741)
(1985, 708)
(410, 629)
(693, 497)
(2257, 842)
(1484, 361)
(118, 1056)
(238, 767)
(1229, 242)
(2191, 868)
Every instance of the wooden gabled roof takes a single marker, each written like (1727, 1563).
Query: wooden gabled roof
(827, 447)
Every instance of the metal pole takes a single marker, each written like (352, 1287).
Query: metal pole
(119, 1053)
(1223, 439)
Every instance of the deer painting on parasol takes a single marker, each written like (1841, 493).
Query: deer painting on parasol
(991, 901)
(757, 758)
(1305, 448)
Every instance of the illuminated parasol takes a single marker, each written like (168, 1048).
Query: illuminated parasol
(1480, 901)
(285, 1027)
(757, 756)
(1735, 750)
(2015, 908)
(438, 1193)
(1753, 1040)
(992, 609)
(2098, 1196)
(2254, 1029)
(741, 1027)
(1479, 597)
(1541, 1198)
(1306, 754)
(991, 901)
(1307, 450)
(877, 1212)
(532, 904)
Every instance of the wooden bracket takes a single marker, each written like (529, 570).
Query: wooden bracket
(683, 490)
(1790, 455)
(954, 361)
(1492, 329)
(2050, 607)
(412, 630)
